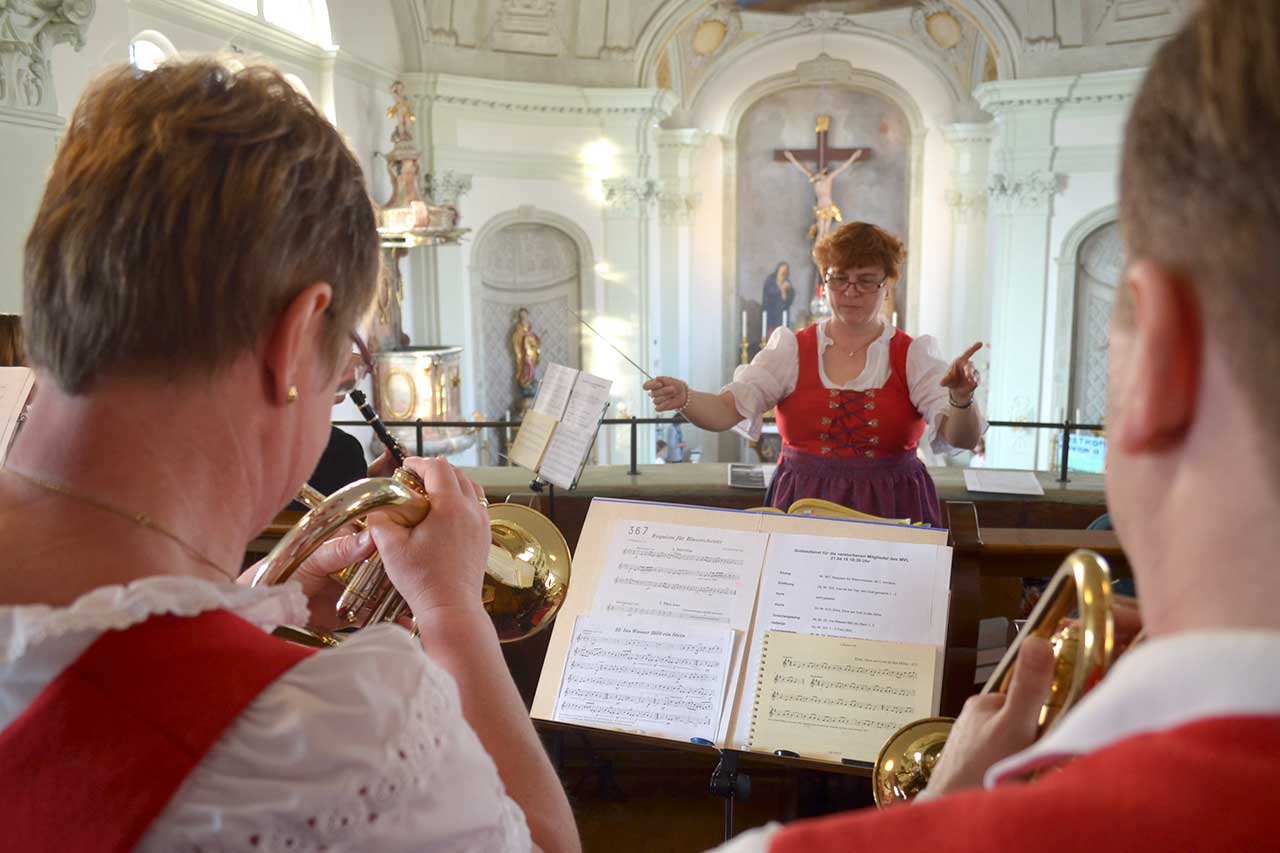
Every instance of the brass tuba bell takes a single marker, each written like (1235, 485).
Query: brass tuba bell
(526, 578)
(1082, 653)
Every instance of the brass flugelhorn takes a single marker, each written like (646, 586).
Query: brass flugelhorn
(526, 577)
(1082, 652)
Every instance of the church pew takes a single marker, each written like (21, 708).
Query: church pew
(987, 567)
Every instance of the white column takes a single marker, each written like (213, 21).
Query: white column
(671, 314)
(29, 122)
(968, 315)
(623, 313)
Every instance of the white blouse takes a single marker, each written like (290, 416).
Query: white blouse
(772, 375)
(362, 747)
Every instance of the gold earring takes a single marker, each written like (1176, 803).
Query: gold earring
(292, 396)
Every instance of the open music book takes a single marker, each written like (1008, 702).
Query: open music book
(560, 427)
(749, 631)
(15, 389)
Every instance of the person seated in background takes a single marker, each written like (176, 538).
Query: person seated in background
(203, 253)
(1176, 748)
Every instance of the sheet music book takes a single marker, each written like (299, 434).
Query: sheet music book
(15, 388)
(831, 698)
(746, 578)
(558, 430)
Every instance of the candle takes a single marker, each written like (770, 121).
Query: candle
(786, 319)
(764, 327)
(744, 324)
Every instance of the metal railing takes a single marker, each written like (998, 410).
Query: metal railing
(1067, 428)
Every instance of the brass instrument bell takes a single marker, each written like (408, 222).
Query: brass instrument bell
(526, 577)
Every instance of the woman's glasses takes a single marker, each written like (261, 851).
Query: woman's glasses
(358, 367)
(862, 285)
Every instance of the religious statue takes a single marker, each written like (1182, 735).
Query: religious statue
(778, 296)
(527, 347)
(825, 210)
(402, 112)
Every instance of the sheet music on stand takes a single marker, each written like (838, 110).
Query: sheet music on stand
(15, 389)
(559, 429)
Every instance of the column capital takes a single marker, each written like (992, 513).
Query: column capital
(447, 187)
(628, 198)
(1026, 193)
(967, 206)
(677, 202)
(28, 34)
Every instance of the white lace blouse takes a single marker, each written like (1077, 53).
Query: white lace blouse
(772, 375)
(362, 747)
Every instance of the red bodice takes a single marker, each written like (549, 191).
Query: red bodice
(874, 423)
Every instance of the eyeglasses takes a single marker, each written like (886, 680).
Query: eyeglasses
(359, 366)
(862, 285)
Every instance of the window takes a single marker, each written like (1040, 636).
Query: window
(148, 49)
(306, 18)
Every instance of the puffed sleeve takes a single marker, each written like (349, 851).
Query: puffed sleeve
(925, 369)
(361, 747)
(759, 386)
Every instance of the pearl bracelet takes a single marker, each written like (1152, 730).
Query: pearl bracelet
(688, 397)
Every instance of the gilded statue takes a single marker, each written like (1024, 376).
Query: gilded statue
(527, 347)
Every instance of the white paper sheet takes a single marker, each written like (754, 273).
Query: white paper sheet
(15, 388)
(1002, 482)
(553, 392)
(670, 571)
(565, 454)
(587, 402)
(531, 441)
(664, 679)
(889, 591)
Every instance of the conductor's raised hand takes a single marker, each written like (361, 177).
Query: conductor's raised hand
(668, 394)
(962, 377)
(440, 562)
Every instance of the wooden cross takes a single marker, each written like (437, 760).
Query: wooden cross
(821, 154)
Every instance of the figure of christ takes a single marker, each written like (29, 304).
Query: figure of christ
(825, 210)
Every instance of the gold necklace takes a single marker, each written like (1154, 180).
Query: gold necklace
(854, 353)
(141, 519)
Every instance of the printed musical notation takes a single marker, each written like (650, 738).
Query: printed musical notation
(666, 680)
(671, 571)
(833, 698)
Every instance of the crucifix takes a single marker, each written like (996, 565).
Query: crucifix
(824, 209)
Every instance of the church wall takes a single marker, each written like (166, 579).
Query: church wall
(349, 88)
(1054, 165)
(544, 152)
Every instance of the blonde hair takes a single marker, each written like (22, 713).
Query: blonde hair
(1200, 182)
(187, 206)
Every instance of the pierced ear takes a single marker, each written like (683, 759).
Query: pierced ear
(285, 356)
(1158, 373)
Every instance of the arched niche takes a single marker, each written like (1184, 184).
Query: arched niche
(535, 259)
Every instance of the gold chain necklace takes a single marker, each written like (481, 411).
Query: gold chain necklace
(141, 519)
(854, 353)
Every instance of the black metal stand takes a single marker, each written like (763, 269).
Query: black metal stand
(537, 485)
(727, 782)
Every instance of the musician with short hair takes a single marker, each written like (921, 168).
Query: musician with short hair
(1176, 748)
(203, 252)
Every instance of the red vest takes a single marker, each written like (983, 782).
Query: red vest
(1207, 786)
(103, 748)
(874, 423)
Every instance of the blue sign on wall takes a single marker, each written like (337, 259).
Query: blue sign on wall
(1088, 452)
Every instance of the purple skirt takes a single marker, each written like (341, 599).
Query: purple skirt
(896, 486)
